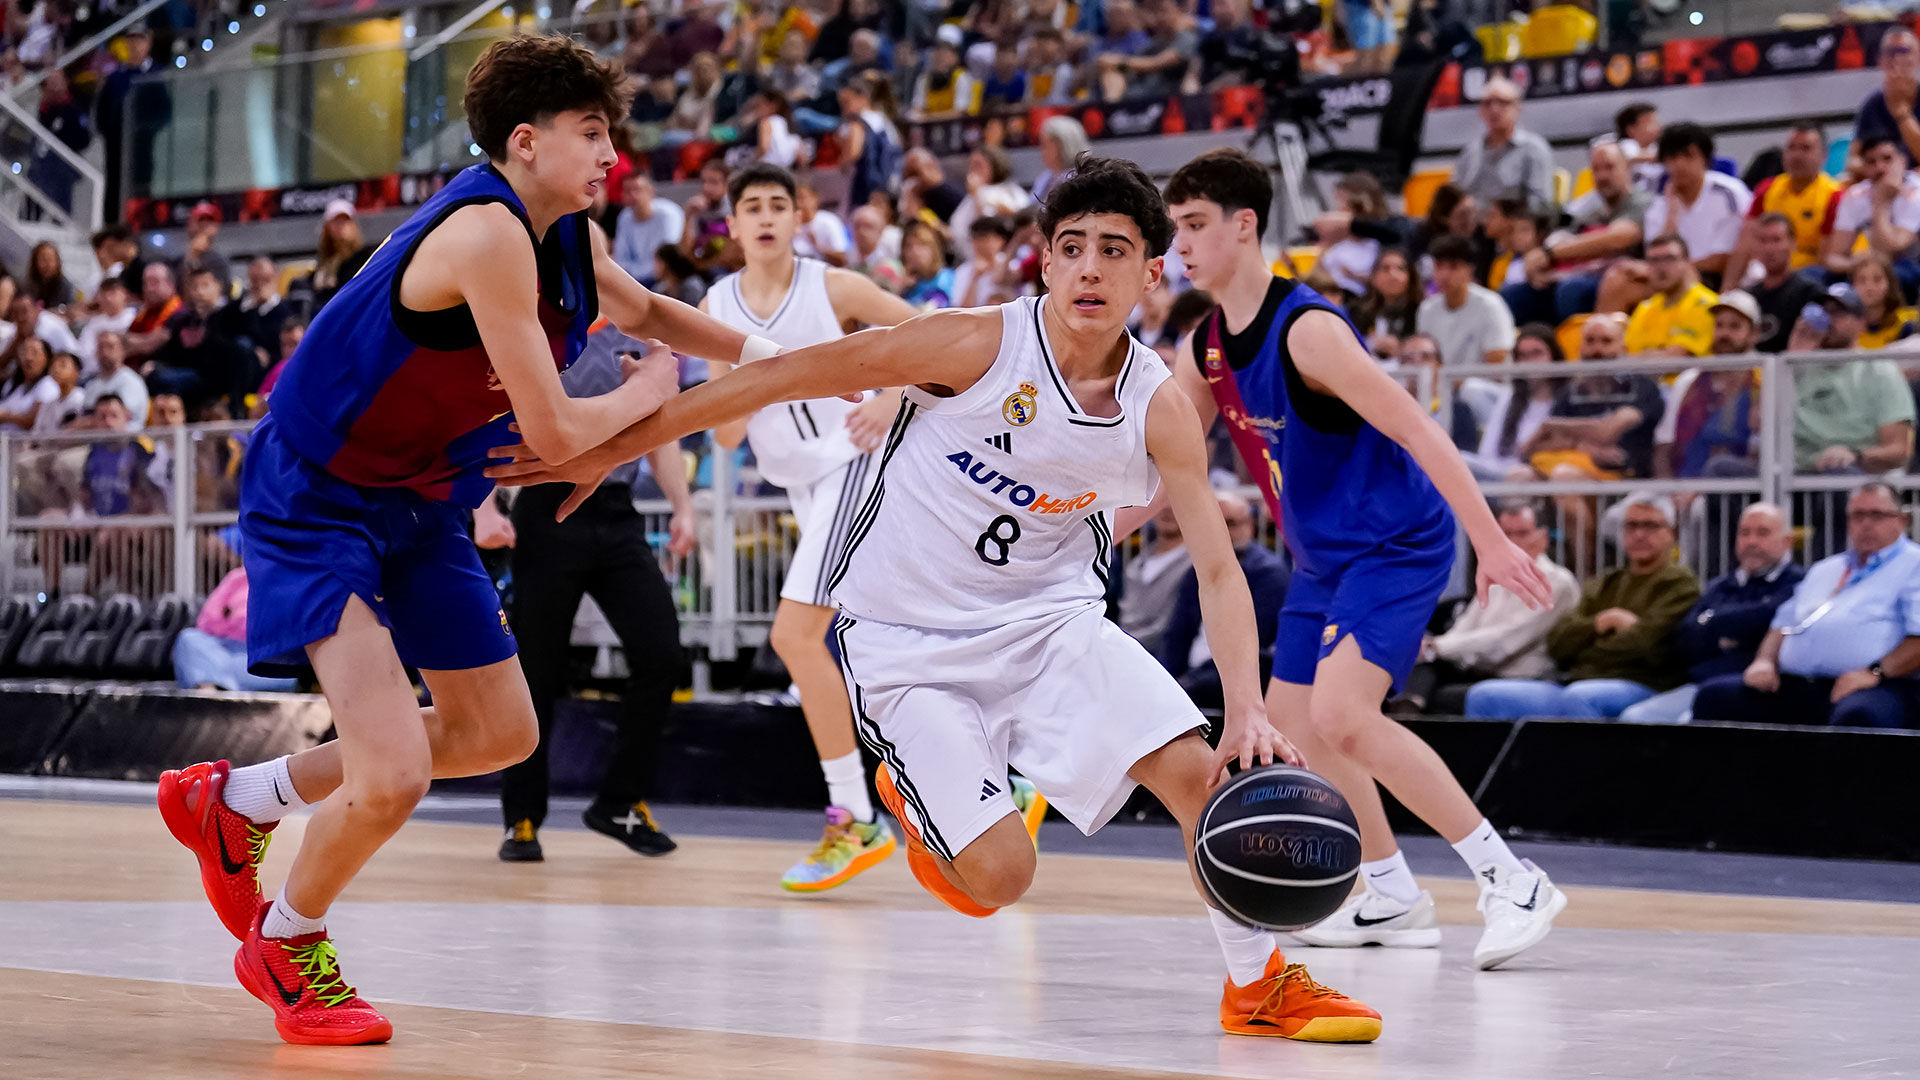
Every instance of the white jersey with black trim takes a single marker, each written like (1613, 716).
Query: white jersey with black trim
(993, 506)
(794, 442)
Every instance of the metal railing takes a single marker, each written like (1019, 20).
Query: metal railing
(151, 514)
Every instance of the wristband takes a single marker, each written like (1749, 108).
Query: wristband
(757, 348)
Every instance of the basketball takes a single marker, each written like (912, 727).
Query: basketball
(1277, 848)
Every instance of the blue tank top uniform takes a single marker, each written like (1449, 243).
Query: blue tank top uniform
(1372, 540)
(360, 480)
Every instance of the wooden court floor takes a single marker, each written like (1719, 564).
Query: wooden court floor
(110, 966)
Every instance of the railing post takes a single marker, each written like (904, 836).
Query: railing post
(724, 643)
(1774, 425)
(6, 513)
(184, 583)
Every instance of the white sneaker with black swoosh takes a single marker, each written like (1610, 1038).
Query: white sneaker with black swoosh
(1519, 908)
(1372, 919)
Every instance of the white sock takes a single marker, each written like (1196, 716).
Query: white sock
(284, 922)
(1484, 845)
(1247, 950)
(847, 786)
(263, 793)
(1391, 877)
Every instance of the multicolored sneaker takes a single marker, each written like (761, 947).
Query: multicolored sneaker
(926, 870)
(1286, 1003)
(1031, 804)
(522, 843)
(299, 978)
(229, 846)
(847, 848)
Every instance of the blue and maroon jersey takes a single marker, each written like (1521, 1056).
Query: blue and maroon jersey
(1339, 488)
(383, 396)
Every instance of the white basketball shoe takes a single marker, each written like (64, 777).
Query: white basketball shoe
(1519, 908)
(1373, 919)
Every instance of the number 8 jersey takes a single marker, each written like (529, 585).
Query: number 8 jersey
(994, 506)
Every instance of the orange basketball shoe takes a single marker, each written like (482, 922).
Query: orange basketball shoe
(1287, 1003)
(228, 846)
(921, 861)
(299, 977)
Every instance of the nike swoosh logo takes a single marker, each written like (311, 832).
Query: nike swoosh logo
(1362, 920)
(226, 861)
(1535, 895)
(291, 997)
(276, 791)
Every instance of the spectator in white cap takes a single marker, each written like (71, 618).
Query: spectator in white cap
(1713, 428)
(343, 251)
(1615, 649)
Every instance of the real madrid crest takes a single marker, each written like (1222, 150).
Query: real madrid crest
(1019, 407)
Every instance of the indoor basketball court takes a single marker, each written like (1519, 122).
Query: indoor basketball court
(597, 963)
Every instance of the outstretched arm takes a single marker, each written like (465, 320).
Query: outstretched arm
(641, 313)
(944, 351)
(1178, 448)
(1331, 361)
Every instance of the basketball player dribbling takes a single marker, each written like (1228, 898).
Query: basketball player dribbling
(1360, 479)
(355, 500)
(820, 451)
(973, 633)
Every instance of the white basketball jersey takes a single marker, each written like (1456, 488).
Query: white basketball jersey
(795, 442)
(993, 506)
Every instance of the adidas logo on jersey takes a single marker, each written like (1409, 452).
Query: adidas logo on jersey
(1002, 442)
(1017, 493)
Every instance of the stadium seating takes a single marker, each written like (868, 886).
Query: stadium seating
(146, 652)
(17, 614)
(59, 622)
(87, 649)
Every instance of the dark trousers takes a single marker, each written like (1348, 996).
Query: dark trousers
(1893, 704)
(1441, 687)
(600, 551)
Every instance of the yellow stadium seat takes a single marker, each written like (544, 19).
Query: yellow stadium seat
(1499, 41)
(1562, 187)
(1558, 30)
(1583, 183)
(1417, 195)
(1569, 336)
(293, 272)
(1304, 259)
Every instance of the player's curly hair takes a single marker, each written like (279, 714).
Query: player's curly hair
(1102, 185)
(529, 78)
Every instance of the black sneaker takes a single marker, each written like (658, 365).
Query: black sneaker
(634, 827)
(521, 845)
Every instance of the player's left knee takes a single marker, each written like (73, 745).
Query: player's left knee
(516, 741)
(1340, 723)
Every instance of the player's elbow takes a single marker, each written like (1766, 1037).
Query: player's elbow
(550, 440)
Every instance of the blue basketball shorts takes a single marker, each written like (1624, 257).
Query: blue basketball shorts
(310, 540)
(1383, 599)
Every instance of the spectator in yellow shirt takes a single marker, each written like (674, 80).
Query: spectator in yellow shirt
(1887, 309)
(1677, 320)
(1802, 193)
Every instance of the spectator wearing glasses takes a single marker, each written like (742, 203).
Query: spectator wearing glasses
(1507, 158)
(1854, 416)
(1615, 647)
(1723, 632)
(1843, 648)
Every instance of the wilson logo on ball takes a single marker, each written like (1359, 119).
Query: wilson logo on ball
(1307, 853)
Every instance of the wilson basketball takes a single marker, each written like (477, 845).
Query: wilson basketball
(1277, 848)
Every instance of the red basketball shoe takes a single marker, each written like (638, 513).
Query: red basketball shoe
(228, 846)
(1287, 1003)
(299, 978)
(921, 861)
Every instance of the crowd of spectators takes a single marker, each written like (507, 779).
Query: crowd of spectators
(1664, 253)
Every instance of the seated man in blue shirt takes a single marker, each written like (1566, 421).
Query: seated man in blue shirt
(1267, 579)
(1723, 631)
(1842, 648)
